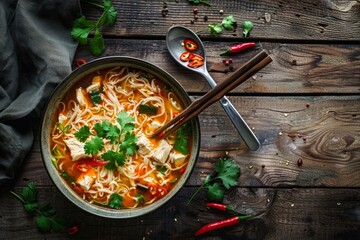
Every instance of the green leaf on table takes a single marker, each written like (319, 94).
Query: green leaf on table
(247, 27)
(97, 45)
(229, 23)
(110, 13)
(215, 29)
(228, 171)
(81, 29)
(215, 193)
(43, 223)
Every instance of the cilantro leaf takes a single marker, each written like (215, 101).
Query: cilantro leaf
(206, 2)
(181, 140)
(113, 157)
(161, 168)
(140, 198)
(95, 96)
(83, 133)
(215, 29)
(123, 119)
(129, 146)
(215, 193)
(228, 171)
(148, 109)
(116, 201)
(102, 128)
(97, 45)
(113, 133)
(93, 146)
(110, 13)
(81, 29)
(43, 223)
(247, 27)
(229, 23)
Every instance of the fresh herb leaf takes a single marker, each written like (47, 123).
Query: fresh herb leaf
(124, 118)
(227, 174)
(215, 193)
(140, 198)
(62, 128)
(97, 45)
(129, 146)
(116, 201)
(148, 109)
(229, 23)
(102, 128)
(83, 133)
(83, 27)
(95, 96)
(45, 220)
(113, 133)
(182, 138)
(215, 29)
(228, 171)
(161, 168)
(93, 146)
(247, 27)
(113, 157)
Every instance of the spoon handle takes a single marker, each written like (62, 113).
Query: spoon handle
(239, 123)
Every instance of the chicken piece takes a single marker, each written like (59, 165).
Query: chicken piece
(162, 152)
(85, 180)
(155, 125)
(62, 118)
(80, 97)
(144, 145)
(179, 159)
(76, 148)
(95, 85)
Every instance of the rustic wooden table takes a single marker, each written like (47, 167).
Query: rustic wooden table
(304, 105)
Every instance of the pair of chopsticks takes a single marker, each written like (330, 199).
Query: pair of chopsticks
(196, 107)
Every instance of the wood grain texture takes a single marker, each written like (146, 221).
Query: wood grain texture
(323, 131)
(289, 20)
(296, 68)
(285, 214)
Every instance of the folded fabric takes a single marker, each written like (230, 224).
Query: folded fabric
(36, 53)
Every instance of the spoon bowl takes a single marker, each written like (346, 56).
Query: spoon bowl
(174, 41)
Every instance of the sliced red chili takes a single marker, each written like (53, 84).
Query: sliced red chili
(82, 167)
(78, 189)
(195, 63)
(182, 170)
(190, 44)
(161, 192)
(79, 62)
(186, 56)
(196, 57)
(153, 190)
(94, 162)
(73, 230)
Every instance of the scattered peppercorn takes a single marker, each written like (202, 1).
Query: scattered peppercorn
(221, 11)
(224, 60)
(307, 105)
(192, 21)
(293, 62)
(206, 18)
(231, 68)
(196, 17)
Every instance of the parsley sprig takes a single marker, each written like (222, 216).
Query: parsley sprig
(123, 138)
(226, 174)
(82, 27)
(45, 220)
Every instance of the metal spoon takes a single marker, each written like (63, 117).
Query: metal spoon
(174, 39)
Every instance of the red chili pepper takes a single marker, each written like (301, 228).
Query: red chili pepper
(73, 230)
(195, 63)
(221, 224)
(94, 162)
(223, 207)
(82, 167)
(196, 57)
(79, 62)
(190, 45)
(238, 48)
(153, 190)
(185, 56)
(161, 192)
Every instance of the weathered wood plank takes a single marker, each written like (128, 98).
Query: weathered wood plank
(286, 214)
(296, 68)
(323, 131)
(289, 20)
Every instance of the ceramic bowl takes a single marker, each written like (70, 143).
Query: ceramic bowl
(48, 116)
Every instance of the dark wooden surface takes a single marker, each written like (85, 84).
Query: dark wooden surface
(311, 89)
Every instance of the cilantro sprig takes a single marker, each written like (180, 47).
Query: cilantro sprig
(116, 201)
(123, 139)
(228, 23)
(82, 27)
(206, 2)
(45, 219)
(226, 175)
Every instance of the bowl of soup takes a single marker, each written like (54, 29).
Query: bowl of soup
(96, 137)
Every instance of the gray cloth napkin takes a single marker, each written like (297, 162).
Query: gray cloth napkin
(36, 53)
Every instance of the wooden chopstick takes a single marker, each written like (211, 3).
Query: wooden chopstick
(239, 76)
